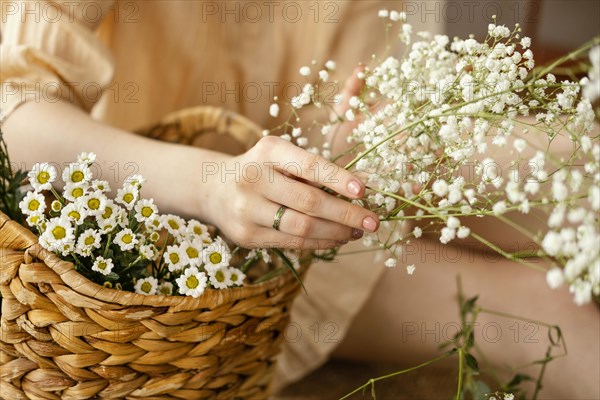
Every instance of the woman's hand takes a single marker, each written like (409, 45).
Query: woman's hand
(250, 188)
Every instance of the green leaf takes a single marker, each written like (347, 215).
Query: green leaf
(517, 379)
(480, 390)
(290, 266)
(113, 276)
(471, 362)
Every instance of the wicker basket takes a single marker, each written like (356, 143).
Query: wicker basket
(65, 337)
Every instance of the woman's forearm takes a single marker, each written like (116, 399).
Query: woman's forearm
(58, 132)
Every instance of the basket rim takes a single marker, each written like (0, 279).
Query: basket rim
(84, 286)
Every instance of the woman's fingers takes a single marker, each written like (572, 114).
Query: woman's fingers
(292, 160)
(298, 224)
(317, 203)
(269, 237)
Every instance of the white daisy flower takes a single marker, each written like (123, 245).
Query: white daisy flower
(175, 225)
(94, 203)
(103, 265)
(41, 176)
(165, 288)
(135, 181)
(74, 191)
(220, 278)
(192, 282)
(193, 251)
(33, 203)
(127, 196)
(77, 173)
(58, 232)
(149, 251)
(102, 186)
(236, 276)
(88, 241)
(86, 158)
(74, 212)
(145, 209)
(147, 286)
(111, 210)
(259, 253)
(126, 239)
(56, 206)
(153, 223)
(35, 219)
(216, 255)
(107, 225)
(154, 236)
(199, 230)
(175, 258)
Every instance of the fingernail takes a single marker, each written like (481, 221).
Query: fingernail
(354, 188)
(341, 242)
(357, 233)
(370, 224)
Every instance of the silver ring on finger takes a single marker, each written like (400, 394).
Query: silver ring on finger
(278, 216)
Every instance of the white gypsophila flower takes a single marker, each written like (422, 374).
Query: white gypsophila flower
(88, 241)
(216, 255)
(193, 251)
(499, 208)
(127, 196)
(147, 286)
(41, 176)
(100, 185)
(74, 212)
(390, 262)
(591, 91)
(447, 234)
(103, 265)
(86, 158)
(305, 71)
(33, 203)
(220, 278)
(302, 142)
(323, 75)
(440, 187)
(236, 276)
(330, 65)
(463, 232)
(555, 278)
(274, 110)
(410, 269)
(350, 115)
(57, 234)
(383, 13)
(126, 239)
(93, 203)
(192, 282)
(135, 181)
(74, 191)
(149, 252)
(175, 225)
(417, 232)
(77, 173)
(145, 209)
(165, 288)
(175, 258)
(56, 206)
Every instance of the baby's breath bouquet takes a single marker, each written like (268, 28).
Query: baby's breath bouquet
(118, 242)
(432, 127)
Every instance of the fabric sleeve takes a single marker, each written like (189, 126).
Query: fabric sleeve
(49, 52)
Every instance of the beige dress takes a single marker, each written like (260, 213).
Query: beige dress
(149, 58)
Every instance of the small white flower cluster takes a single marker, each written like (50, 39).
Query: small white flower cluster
(433, 128)
(114, 241)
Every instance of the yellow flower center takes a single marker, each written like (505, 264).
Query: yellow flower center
(107, 212)
(191, 252)
(34, 205)
(89, 241)
(173, 224)
(127, 238)
(174, 257)
(102, 265)
(34, 219)
(146, 287)
(75, 215)
(215, 258)
(192, 282)
(234, 277)
(43, 177)
(198, 231)
(77, 192)
(59, 232)
(220, 276)
(93, 204)
(128, 198)
(165, 290)
(77, 176)
(147, 211)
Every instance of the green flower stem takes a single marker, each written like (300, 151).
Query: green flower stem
(404, 371)
(506, 254)
(569, 57)
(460, 374)
(108, 242)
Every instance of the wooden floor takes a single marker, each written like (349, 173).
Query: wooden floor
(338, 378)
